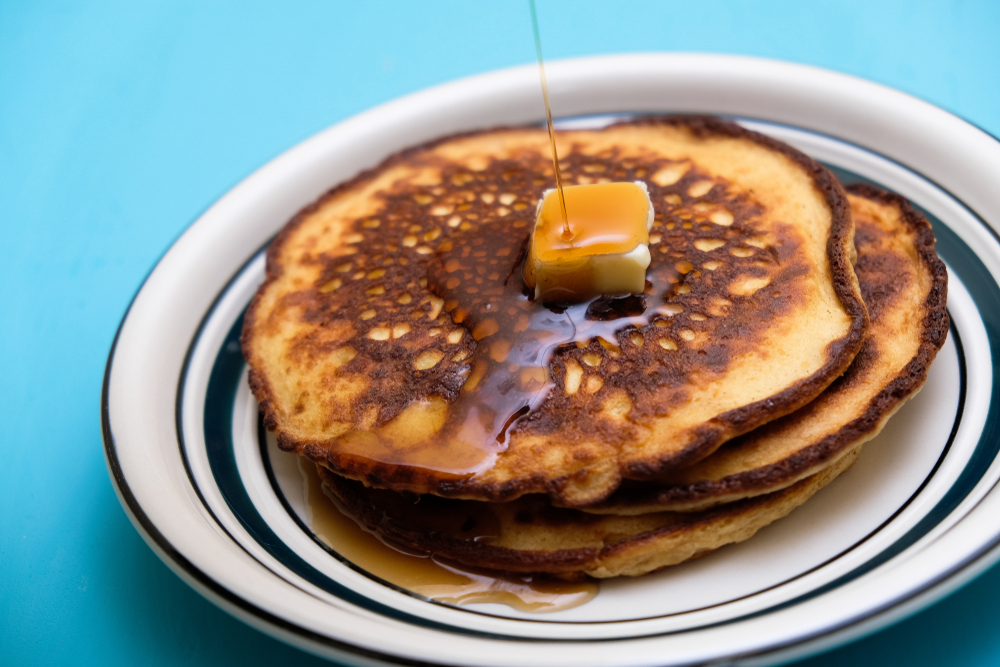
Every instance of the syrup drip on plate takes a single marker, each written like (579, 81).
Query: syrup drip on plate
(429, 576)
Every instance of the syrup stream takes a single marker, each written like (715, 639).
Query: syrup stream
(566, 233)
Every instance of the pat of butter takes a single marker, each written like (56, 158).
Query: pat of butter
(604, 249)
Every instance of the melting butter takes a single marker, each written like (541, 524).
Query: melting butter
(602, 249)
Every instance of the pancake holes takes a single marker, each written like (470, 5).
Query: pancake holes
(684, 266)
(454, 221)
(684, 289)
(422, 282)
(455, 337)
(661, 324)
(436, 304)
(670, 309)
(486, 328)
(698, 317)
(592, 359)
(502, 211)
(400, 330)
(711, 266)
(367, 315)
(667, 344)
(574, 374)
(427, 360)
(748, 286)
(379, 333)
(636, 339)
(409, 241)
(723, 218)
(424, 250)
(708, 245)
(432, 234)
(507, 198)
(354, 238)
(532, 378)
(461, 356)
(673, 200)
(742, 252)
(332, 285)
(669, 226)
(414, 229)
(377, 273)
(433, 333)
(358, 276)
(344, 268)
(465, 226)
(670, 174)
(442, 210)
(488, 197)
(405, 299)
(499, 350)
(593, 168)
(687, 225)
(654, 239)
(702, 207)
(519, 206)
(594, 384)
(613, 350)
(378, 289)
(687, 335)
(700, 188)
(371, 223)
(423, 199)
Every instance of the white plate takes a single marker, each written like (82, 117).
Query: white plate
(912, 521)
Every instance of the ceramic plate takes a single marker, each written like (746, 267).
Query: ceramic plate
(913, 520)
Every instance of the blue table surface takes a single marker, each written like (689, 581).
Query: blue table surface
(121, 121)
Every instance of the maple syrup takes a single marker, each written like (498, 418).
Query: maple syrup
(428, 576)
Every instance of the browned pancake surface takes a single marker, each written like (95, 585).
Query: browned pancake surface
(395, 298)
(905, 286)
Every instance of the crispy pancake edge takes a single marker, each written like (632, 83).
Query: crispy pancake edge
(695, 535)
(807, 461)
(710, 436)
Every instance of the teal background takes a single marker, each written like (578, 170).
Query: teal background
(121, 121)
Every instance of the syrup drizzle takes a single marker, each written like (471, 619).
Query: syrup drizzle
(567, 233)
(426, 575)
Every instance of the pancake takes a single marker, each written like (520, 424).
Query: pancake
(393, 341)
(905, 287)
(530, 535)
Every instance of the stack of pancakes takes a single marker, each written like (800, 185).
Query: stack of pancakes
(784, 321)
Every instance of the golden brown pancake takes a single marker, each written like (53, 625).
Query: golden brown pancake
(530, 535)
(905, 286)
(394, 343)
